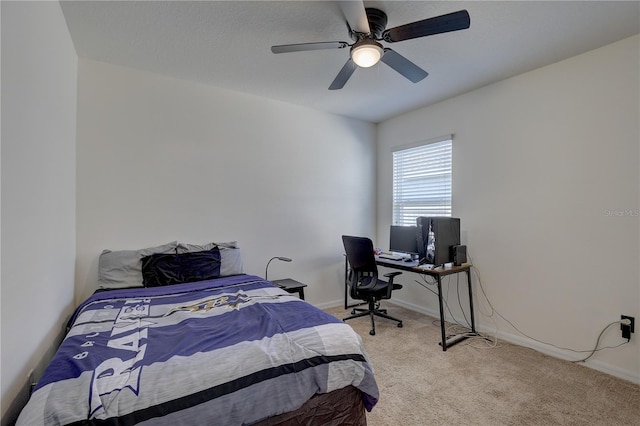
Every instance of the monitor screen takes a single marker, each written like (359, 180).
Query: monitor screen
(403, 239)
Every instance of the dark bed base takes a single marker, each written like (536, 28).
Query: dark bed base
(342, 407)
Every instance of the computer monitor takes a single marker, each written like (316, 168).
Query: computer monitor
(439, 235)
(403, 239)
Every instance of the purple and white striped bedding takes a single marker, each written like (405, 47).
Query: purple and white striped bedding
(230, 351)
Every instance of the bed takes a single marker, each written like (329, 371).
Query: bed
(229, 350)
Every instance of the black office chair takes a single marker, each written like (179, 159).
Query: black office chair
(363, 280)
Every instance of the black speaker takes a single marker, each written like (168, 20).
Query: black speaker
(459, 254)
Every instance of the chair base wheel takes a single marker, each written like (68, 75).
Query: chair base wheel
(371, 312)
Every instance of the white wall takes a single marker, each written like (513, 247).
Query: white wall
(161, 159)
(544, 157)
(546, 183)
(39, 75)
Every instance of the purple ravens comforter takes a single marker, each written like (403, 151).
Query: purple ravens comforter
(230, 351)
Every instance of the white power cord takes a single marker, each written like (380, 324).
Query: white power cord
(624, 321)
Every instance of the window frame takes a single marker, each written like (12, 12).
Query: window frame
(422, 189)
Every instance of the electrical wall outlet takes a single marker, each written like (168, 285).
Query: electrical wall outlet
(32, 382)
(627, 329)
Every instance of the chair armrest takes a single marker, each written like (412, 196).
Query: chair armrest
(391, 275)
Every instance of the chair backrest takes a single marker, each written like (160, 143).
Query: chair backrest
(361, 258)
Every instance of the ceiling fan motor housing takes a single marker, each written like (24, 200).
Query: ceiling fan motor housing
(377, 21)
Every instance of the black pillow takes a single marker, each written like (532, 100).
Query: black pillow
(166, 269)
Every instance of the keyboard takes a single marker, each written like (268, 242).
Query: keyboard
(390, 257)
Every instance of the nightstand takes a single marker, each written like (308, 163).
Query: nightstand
(291, 286)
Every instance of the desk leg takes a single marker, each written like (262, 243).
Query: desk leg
(346, 276)
(442, 326)
(458, 338)
(473, 322)
(346, 288)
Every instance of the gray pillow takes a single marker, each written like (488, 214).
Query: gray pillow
(230, 256)
(187, 248)
(123, 268)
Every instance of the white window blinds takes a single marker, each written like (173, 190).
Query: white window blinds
(422, 181)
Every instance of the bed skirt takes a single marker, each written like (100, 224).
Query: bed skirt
(342, 407)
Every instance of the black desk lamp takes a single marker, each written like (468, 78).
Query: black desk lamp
(284, 259)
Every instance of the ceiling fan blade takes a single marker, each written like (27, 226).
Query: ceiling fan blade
(301, 47)
(404, 66)
(454, 21)
(343, 75)
(356, 16)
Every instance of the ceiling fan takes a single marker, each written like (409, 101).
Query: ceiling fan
(367, 28)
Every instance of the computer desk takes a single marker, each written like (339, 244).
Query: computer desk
(438, 273)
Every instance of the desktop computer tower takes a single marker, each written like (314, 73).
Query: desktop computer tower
(440, 234)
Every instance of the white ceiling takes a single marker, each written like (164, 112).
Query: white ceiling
(227, 44)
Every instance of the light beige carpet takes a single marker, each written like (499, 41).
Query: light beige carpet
(470, 384)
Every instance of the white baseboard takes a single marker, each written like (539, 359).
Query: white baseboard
(327, 305)
(565, 355)
(631, 376)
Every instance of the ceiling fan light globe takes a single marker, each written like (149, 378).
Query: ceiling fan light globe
(366, 54)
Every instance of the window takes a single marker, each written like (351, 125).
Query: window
(422, 181)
